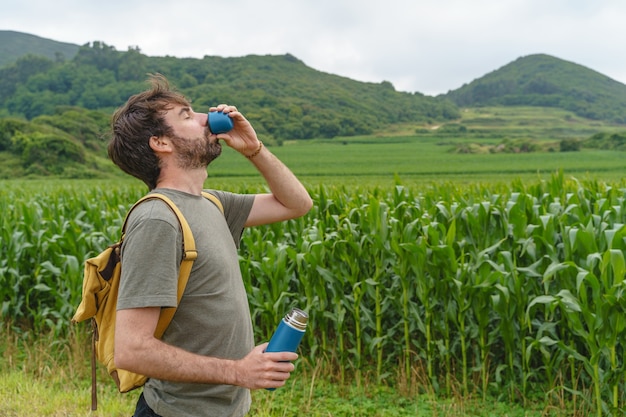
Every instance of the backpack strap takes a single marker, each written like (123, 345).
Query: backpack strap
(189, 255)
(214, 200)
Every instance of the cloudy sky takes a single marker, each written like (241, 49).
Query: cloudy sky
(426, 46)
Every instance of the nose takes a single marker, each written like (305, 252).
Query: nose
(202, 118)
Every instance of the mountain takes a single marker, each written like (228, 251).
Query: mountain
(546, 81)
(14, 45)
(283, 97)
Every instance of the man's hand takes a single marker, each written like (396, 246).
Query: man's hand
(242, 137)
(260, 369)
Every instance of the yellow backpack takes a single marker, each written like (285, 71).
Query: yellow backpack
(101, 281)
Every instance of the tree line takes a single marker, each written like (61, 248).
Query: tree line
(283, 97)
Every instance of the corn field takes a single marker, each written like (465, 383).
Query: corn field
(511, 291)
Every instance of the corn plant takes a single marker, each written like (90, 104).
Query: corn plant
(476, 286)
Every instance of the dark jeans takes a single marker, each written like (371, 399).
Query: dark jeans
(143, 410)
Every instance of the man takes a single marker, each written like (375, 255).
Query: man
(206, 362)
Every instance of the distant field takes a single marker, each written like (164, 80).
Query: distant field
(416, 158)
(534, 122)
(418, 154)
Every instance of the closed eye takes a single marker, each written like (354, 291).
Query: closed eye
(185, 112)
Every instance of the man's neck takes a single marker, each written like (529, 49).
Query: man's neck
(188, 181)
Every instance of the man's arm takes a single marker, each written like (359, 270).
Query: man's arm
(137, 350)
(288, 199)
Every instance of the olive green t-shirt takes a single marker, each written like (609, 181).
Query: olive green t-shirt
(213, 317)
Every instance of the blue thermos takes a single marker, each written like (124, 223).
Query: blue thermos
(289, 332)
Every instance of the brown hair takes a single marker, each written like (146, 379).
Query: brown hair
(135, 123)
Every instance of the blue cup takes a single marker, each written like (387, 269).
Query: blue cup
(219, 122)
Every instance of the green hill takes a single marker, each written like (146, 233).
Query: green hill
(54, 113)
(14, 45)
(545, 81)
(282, 96)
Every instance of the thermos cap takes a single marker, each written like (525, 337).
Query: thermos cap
(297, 319)
(219, 122)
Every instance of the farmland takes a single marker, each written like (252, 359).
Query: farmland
(489, 277)
(429, 155)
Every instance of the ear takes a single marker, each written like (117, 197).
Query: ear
(160, 144)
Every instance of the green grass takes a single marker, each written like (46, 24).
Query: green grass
(24, 396)
(44, 378)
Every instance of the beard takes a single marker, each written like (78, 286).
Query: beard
(196, 153)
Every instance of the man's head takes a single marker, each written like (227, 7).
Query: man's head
(139, 120)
